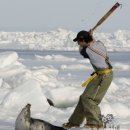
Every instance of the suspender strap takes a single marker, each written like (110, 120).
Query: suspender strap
(105, 71)
(101, 72)
(89, 80)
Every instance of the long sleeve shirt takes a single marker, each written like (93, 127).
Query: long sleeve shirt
(97, 54)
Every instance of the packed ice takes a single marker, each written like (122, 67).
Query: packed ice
(57, 76)
(61, 39)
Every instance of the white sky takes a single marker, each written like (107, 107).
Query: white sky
(46, 15)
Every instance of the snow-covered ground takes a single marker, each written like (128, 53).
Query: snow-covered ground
(30, 76)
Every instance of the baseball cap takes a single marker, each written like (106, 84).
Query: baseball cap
(82, 34)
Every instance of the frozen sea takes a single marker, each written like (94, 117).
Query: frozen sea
(69, 70)
(35, 66)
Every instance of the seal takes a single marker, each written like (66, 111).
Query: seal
(25, 122)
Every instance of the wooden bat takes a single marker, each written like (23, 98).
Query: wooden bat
(106, 16)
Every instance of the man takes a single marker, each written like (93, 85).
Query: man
(96, 86)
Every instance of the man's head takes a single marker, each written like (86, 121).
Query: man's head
(83, 36)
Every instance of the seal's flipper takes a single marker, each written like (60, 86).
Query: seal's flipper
(50, 102)
(57, 128)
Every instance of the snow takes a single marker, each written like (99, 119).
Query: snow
(121, 66)
(61, 39)
(30, 76)
(7, 59)
(23, 94)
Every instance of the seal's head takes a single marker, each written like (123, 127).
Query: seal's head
(27, 110)
(23, 120)
(25, 113)
(28, 106)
